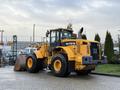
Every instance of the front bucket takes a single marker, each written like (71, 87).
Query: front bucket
(20, 64)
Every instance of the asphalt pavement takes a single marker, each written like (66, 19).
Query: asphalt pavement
(44, 80)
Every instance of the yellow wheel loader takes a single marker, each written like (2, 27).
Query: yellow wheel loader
(62, 53)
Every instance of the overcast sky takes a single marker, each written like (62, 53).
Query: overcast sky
(96, 16)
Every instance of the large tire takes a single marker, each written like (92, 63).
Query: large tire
(32, 64)
(83, 72)
(59, 65)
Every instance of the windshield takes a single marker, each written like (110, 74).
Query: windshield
(66, 34)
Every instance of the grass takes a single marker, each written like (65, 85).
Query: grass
(108, 69)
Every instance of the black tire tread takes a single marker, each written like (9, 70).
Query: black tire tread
(36, 65)
(64, 71)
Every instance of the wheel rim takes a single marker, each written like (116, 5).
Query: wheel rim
(57, 65)
(29, 63)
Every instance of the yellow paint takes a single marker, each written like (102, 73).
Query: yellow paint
(49, 60)
(69, 51)
(78, 59)
(74, 53)
(42, 52)
(30, 63)
(57, 65)
(79, 66)
(83, 50)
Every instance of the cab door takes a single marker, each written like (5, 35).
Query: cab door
(54, 38)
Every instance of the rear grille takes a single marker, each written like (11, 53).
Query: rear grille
(94, 49)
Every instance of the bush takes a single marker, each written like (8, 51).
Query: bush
(115, 59)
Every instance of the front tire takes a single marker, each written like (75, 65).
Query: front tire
(32, 64)
(59, 65)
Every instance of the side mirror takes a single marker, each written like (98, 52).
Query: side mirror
(47, 33)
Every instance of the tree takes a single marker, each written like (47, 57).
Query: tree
(84, 37)
(108, 47)
(97, 37)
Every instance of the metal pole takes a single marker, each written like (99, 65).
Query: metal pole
(1, 36)
(33, 32)
(30, 39)
(119, 43)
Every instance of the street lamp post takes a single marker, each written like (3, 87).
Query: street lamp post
(1, 36)
(33, 32)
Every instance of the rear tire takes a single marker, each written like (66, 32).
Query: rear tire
(32, 64)
(59, 65)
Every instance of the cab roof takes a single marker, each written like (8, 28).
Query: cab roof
(80, 40)
(61, 29)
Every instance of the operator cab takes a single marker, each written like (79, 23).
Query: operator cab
(56, 35)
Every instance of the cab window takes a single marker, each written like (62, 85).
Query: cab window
(53, 37)
(66, 34)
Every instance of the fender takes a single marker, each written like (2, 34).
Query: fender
(69, 52)
(38, 54)
(42, 52)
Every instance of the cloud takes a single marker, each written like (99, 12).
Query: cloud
(97, 16)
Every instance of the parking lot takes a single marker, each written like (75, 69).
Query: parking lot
(10, 80)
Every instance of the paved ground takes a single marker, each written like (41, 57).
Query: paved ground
(10, 80)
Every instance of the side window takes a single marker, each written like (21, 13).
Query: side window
(48, 38)
(66, 34)
(57, 36)
(52, 37)
(61, 35)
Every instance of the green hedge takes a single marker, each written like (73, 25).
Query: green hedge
(108, 69)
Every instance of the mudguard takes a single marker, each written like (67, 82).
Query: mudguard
(69, 52)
